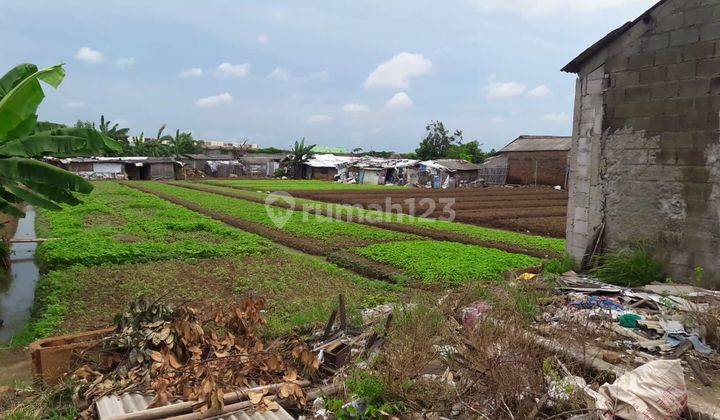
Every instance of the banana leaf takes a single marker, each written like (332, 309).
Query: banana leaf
(28, 195)
(7, 208)
(29, 171)
(21, 102)
(16, 75)
(62, 142)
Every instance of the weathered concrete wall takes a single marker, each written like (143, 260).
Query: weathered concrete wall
(550, 167)
(646, 149)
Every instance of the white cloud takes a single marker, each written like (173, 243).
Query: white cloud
(504, 90)
(497, 120)
(74, 105)
(559, 117)
(399, 101)
(319, 119)
(263, 38)
(233, 70)
(125, 62)
(89, 55)
(397, 72)
(212, 101)
(539, 92)
(544, 8)
(279, 74)
(193, 72)
(321, 76)
(353, 108)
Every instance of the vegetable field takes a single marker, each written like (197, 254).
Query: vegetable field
(297, 184)
(214, 243)
(538, 211)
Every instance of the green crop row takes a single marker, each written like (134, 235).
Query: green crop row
(297, 223)
(295, 185)
(117, 224)
(503, 237)
(447, 263)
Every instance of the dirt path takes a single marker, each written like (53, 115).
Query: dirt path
(397, 227)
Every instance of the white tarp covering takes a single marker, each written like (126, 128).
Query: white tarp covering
(327, 161)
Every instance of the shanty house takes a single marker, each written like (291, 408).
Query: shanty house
(447, 173)
(536, 160)
(261, 164)
(323, 167)
(493, 171)
(645, 156)
(126, 167)
(219, 166)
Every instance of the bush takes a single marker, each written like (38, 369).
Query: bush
(630, 267)
(559, 265)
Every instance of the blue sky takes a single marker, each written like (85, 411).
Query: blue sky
(365, 74)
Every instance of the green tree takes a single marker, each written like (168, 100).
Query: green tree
(437, 141)
(470, 151)
(23, 178)
(300, 154)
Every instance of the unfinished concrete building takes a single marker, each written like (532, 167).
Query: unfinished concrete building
(645, 157)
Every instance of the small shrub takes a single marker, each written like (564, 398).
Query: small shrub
(630, 267)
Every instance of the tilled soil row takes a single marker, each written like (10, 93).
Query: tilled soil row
(549, 226)
(398, 227)
(415, 192)
(346, 259)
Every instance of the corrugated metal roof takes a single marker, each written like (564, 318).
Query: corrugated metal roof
(112, 406)
(538, 144)
(457, 164)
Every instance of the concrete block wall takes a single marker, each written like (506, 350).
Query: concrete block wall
(653, 142)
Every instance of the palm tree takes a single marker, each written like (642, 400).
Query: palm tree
(300, 155)
(23, 178)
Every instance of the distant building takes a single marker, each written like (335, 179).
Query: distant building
(126, 167)
(219, 166)
(261, 164)
(541, 160)
(323, 167)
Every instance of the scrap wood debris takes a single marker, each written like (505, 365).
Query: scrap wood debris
(187, 354)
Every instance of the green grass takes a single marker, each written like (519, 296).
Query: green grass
(630, 267)
(295, 184)
(300, 291)
(300, 223)
(447, 263)
(531, 242)
(116, 224)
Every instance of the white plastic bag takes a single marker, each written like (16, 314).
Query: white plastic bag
(655, 390)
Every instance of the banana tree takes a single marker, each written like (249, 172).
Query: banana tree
(301, 154)
(22, 140)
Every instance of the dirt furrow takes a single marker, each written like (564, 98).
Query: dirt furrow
(398, 227)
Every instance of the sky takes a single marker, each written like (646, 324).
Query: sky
(367, 74)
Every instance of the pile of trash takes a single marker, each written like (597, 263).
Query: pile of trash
(593, 350)
(186, 354)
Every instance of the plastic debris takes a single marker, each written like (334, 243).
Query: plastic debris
(655, 390)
